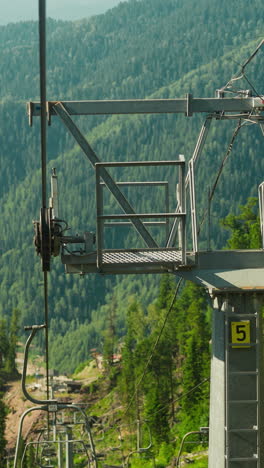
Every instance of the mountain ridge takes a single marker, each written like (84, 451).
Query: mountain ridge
(118, 137)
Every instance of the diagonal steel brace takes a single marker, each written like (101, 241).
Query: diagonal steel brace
(109, 182)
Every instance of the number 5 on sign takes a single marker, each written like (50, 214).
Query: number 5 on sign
(240, 334)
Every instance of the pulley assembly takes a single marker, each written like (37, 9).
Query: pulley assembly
(47, 237)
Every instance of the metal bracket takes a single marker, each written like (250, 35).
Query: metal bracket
(188, 105)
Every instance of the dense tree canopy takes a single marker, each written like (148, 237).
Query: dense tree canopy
(98, 58)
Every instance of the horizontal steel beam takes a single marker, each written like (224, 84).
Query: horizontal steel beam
(158, 183)
(222, 270)
(174, 162)
(186, 106)
(128, 223)
(142, 215)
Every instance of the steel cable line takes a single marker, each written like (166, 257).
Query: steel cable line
(154, 346)
(184, 394)
(241, 73)
(238, 76)
(219, 172)
(43, 131)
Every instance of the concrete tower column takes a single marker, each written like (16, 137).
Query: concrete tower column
(236, 402)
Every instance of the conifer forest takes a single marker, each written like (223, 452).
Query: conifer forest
(152, 332)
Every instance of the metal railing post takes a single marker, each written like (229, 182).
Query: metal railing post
(99, 213)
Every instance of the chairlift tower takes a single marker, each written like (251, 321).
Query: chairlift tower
(235, 279)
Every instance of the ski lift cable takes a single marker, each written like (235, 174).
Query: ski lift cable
(219, 173)
(241, 73)
(184, 394)
(43, 128)
(140, 380)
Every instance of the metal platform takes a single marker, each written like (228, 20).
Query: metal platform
(227, 270)
(125, 261)
(142, 256)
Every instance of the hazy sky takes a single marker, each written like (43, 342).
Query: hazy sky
(21, 10)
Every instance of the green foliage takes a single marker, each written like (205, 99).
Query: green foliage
(10, 364)
(8, 345)
(171, 63)
(81, 366)
(159, 368)
(245, 227)
(103, 58)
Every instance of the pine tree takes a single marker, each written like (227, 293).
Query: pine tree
(193, 336)
(159, 386)
(10, 365)
(4, 343)
(132, 358)
(245, 227)
(110, 336)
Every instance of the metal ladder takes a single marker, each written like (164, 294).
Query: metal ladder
(242, 418)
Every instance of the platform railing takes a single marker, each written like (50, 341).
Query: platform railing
(122, 219)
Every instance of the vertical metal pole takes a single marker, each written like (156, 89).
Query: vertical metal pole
(99, 212)
(261, 210)
(196, 154)
(60, 452)
(138, 435)
(54, 414)
(43, 124)
(69, 453)
(193, 206)
(167, 207)
(183, 208)
(178, 196)
(43, 99)
(209, 222)
(54, 199)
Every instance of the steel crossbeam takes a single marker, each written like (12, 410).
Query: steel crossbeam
(187, 106)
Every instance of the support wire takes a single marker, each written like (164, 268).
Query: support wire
(138, 383)
(43, 124)
(218, 175)
(42, 71)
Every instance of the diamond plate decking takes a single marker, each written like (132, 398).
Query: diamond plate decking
(141, 256)
(125, 261)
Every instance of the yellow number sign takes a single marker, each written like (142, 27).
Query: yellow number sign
(240, 334)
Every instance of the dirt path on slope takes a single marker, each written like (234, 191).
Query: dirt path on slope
(17, 404)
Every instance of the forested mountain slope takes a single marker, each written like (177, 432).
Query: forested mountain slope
(148, 48)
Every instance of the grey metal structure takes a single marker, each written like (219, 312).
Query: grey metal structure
(235, 279)
(52, 407)
(243, 106)
(154, 259)
(236, 404)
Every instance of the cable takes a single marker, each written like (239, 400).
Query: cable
(154, 346)
(252, 56)
(46, 320)
(252, 87)
(43, 126)
(241, 72)
(184, 394)
(42, 78)
(219, 172)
